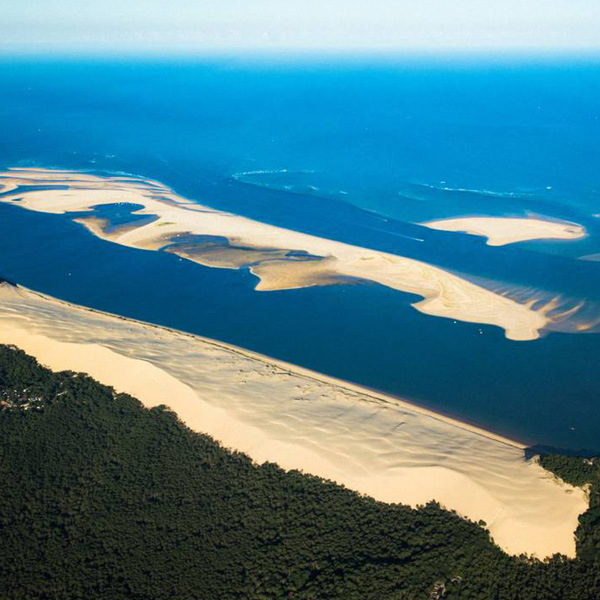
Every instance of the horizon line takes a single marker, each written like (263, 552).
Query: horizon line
(44, 53)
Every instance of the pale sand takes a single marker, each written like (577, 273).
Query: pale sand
(263, 247)
(508, 230)
(369, 442)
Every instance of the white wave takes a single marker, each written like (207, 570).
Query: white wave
(482, 192)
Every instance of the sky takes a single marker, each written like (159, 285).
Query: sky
(354, 26)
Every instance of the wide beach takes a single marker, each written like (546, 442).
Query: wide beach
(375, 444)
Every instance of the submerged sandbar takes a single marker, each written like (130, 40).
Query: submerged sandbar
(280, 258)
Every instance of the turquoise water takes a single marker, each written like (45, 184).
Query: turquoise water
(360, 153)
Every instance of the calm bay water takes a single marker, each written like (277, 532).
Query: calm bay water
(358, 153)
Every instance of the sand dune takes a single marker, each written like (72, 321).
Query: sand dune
(280, 258)
(508, 230)
(372, 443)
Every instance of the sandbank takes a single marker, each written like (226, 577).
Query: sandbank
(372, 443)
(280, 258)
(500, 231)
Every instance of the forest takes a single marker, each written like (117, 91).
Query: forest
(102, 499)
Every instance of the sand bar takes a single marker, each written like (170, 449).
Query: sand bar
(280, 258)
(273, 411)
(500, 231)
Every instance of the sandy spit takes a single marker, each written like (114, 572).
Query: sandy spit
(280, 258)
(500, 231)
(369, 442)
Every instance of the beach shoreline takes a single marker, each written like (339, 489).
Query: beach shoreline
(370, 442)
(280, 258)
(298, 370)
(501, 231)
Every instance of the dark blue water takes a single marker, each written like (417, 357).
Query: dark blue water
(359, 153)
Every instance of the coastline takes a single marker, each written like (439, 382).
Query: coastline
(273, 411)
(280, 258)
(501, 231)
(293, 369)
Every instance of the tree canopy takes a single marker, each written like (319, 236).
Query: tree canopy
(103, 499)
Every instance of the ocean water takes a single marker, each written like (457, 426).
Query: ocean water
(361, 153)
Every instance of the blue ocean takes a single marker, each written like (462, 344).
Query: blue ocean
(359, 152)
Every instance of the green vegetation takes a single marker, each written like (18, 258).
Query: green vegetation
(573, 469)
(104, 500)
(582, 472)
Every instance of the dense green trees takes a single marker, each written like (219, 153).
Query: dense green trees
(102, 499)
(582, 472)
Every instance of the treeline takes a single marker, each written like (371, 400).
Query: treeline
(102, 499)
(582, 472)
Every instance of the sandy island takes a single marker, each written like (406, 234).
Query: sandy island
(280, 258)
(369, 442)
(500, 231)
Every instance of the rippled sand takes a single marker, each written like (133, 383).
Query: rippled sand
(369, 442)
(280, 258)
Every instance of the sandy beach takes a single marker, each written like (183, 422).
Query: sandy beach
(279, 258)
(500, 231)
(372, 443)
